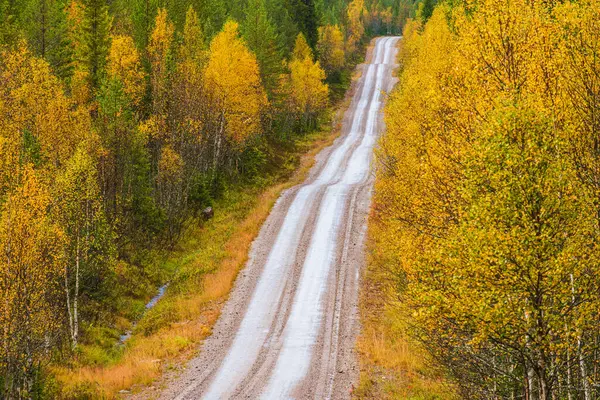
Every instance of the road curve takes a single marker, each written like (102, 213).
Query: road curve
(289, 326)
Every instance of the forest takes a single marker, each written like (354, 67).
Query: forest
(487, 207)
(120, 121)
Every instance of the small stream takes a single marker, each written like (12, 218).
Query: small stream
(161, 292)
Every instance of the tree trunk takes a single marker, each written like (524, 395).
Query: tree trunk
(76, 298)
(582, 368)
(67, 293)
(218, 141)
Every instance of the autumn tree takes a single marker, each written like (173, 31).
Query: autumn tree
(233, 81)
(89, 251)
(189, 86)
(35, 111)
(125, 165)
(305, 92)
(31, 266)
(160, 55)
(125, 65)
(118, 119)
(301, 49)
(330, 48)
(185, 161)
(490, 230)
(355, 26)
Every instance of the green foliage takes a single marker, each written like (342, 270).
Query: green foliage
(9, 28)
(261, 37)
(200, 195)
(305, 16)
(425, 9)
(96, 40)
(213, 14)
(45, 25)
(31, 150)
(253, 162)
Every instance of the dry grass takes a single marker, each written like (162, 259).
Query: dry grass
(393, 366)
(220, 250)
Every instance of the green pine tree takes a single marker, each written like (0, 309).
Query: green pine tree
(261, 37)
(96, 39)
(45, 25)
(8, 23)
(305, 15)
(213, 14)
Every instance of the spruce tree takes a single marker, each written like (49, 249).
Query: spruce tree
(96, 39)
(45, 25)
(286, 28)
(8, 23)
(305, 15)
(261, 37)
(213, 14)
(142, 18)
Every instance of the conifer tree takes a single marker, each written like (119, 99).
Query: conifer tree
(142, 19)
(305, 16)
(261, 37)
(9, 28)
(284, 23)
(45, 24)
(95, 30)
(212, 15)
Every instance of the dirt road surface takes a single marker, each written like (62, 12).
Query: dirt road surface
(289, 327)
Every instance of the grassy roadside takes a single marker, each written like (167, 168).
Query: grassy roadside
(203, 266)
(392, 365)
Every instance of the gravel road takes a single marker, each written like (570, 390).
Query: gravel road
(289, 327)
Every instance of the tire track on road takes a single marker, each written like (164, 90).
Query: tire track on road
(279, 335)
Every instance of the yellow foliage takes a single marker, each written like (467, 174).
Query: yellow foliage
(356, 29)
(32, 100)
(304, 88)
(170, 166)
(124, 64)
(331, 48)
(161, 38)
(193, 47)
(191, 314)
(31, 266)
(233, 79)
(159, 49)
(301, 49)
(189, 82)
(486, 192)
